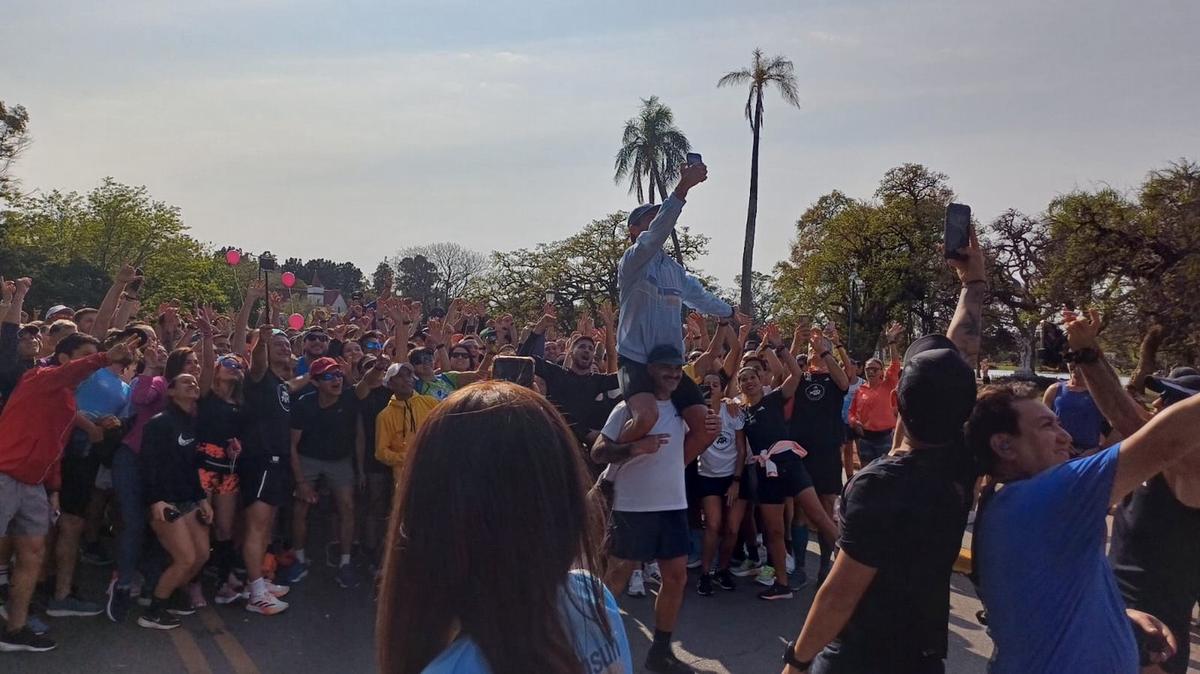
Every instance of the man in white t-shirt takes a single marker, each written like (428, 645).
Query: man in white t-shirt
(649, 519)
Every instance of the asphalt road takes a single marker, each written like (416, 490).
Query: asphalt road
(328, 629)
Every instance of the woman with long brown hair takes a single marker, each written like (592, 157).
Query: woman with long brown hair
(493, 470)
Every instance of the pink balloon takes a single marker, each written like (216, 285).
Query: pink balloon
(288, 278)
(295, 321)
(233, 257)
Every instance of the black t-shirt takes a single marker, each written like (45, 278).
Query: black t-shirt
(582, 398)
(817, 414)
(904, 516)
(369, 409)
(1155, 552)
(765, 425)
(218, 421)
(268, 413)
(327, 433)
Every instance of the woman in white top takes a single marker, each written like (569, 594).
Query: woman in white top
(717, 484)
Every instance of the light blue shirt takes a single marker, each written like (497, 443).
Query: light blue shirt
(849, 398)
(654, 288)
(598, 654)
(1051, 598)
(103, 394)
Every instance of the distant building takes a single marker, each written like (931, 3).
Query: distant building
(317, 295)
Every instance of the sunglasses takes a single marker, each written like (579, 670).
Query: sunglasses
(230, 363)
(460, 354)
(374, 346)
(318, 338)
(330, 376)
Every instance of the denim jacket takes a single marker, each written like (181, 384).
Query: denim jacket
(654, 288)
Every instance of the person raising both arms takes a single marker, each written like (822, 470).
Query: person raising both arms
(873, 410)
(653, 291)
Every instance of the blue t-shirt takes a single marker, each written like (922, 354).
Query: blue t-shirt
(1052, 601)
(103, 394)
(597, 653)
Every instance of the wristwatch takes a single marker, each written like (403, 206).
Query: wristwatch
(1082, 356)
(789, 658)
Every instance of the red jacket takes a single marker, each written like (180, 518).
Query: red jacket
(37, 419)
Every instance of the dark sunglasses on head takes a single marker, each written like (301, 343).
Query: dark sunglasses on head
(317, 337)
(330, 376)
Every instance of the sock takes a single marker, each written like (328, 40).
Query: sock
(344, 561)
(157, 605)
(662, 643)
(826, 551)
(258, 587)
(300, 556)
(223, 556)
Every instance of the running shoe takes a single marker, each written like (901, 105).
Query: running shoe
(791, 563)
(34, 623)
(267, 604)
(704, 586)
(653, 574)
(158, 620)
(694, 562)
(119, 601)
(766, 576)
(179, 605)
(24, 639)
(346, 577)
(229, 593)
(746, 568)
(333, 554)
(293, 574)
(72, 606)
(666, 663)
(637, 587)
(724, 580)
(776, 591)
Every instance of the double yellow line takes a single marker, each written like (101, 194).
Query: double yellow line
(193, 658)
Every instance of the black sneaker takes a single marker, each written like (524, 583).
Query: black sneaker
(704, 585)
(158, 620)
(117, 606)
(725, 581)
(25, 640)
(667, 663)
(776, 591)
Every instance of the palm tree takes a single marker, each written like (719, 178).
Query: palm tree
(761, 74)
(652, 147)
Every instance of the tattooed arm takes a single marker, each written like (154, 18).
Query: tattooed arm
(966, 328)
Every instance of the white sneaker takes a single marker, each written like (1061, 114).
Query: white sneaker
(637, 588)
(266, 604)
(766, 575)
(791, 564)
(653, 574)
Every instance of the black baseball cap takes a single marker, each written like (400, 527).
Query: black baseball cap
(937, 391)
(1183, 383)
(665, 354)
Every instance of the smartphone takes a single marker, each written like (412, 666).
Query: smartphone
(171, 514)
(958, 230)
(694, 158)
(517, 369)
(135, 283)
(549, 297)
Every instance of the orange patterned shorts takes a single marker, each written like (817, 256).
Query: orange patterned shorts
(215, 482)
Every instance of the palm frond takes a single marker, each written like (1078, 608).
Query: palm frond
(735, 78)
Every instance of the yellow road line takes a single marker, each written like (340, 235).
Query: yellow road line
(189, 651)
(229, 645)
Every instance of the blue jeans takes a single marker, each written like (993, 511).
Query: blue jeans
(127, 482)
(871, 448)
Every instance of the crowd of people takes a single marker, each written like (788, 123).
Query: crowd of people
(672, 435)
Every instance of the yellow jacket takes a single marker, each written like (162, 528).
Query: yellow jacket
(397, 424)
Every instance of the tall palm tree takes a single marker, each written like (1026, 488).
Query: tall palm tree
(761, 74)
(653, 148)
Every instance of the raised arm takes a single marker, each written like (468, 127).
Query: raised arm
(208, 358)
(1115, 403)
(608, 314)
(108, 307)
(241, 324)
(966, 328)
(837, 370)
(258, 357)
(651, 241)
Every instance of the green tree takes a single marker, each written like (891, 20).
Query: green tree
(383, 276)
(762, 74)
(417, 278)
(456, 268)
(1017, 247)
(652, 148)
(580, 271)
(14, 138)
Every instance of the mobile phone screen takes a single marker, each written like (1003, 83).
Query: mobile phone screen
(694, 158)
(958, 229)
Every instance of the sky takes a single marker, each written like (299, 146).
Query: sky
(350, 129)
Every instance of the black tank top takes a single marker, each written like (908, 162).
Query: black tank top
(1155, 551)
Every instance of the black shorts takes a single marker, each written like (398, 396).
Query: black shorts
(634, 379)
(264, 478)
(78, 480)
(792, 479)
(645, 537)
(749, 485)
(825, 469)
(713, 486)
